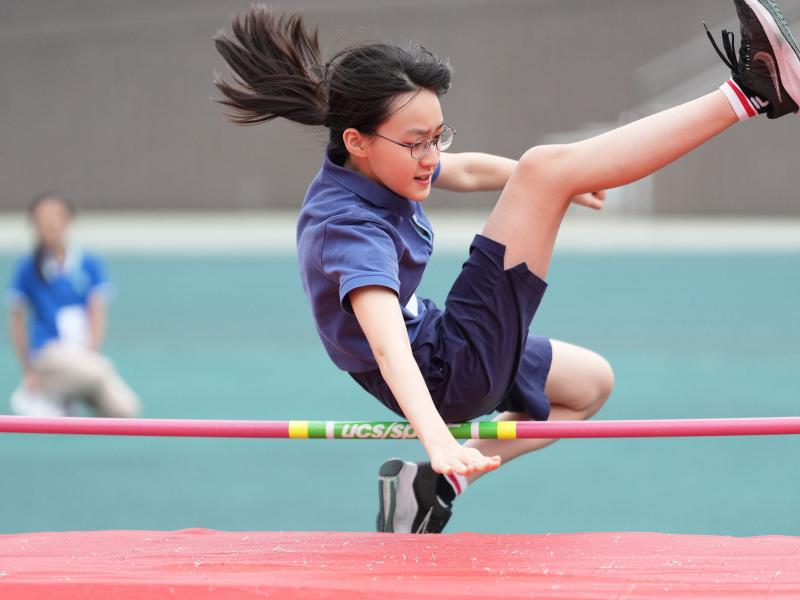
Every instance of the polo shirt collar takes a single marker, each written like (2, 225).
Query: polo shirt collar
(368, 190)
(53, 269)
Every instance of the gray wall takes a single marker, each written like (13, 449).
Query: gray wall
(108, 101)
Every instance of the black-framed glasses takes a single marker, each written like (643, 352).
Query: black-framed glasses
(420, 149)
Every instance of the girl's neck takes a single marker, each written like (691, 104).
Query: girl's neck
(354, 163)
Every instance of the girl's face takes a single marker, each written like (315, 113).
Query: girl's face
(418, 120)
(51, 220)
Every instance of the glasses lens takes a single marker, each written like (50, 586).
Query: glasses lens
(443, 142)
(421, 149)
(446, 138)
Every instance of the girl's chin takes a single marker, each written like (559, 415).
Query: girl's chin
(419, 195)
(415, 193)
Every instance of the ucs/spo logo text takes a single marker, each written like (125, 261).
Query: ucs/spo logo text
(378, 431)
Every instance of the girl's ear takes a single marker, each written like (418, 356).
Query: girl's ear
(355, 142)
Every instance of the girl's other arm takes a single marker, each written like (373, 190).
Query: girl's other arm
(478, 172)
(378, 312)
(473, 172)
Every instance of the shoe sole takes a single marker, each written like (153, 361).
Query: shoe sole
(396, 512)
(783, 44)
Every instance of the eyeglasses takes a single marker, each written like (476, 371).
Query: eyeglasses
(420, 149)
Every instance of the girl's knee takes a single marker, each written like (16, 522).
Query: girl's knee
(544, 161)
(607, 378)
(602, 384)
(582, 380)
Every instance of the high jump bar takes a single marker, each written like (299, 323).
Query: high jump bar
(394, 430)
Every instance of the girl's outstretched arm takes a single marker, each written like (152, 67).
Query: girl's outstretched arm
(477, 172)
(378, 312)
(473, 172)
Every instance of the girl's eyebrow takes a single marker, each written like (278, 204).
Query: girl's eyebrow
(422, 131)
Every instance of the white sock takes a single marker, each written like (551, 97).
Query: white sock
(458, 482)
(744, 107)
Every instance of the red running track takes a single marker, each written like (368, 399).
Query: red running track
(204, 564)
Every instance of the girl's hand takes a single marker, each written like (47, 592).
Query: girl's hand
(451, 457)
(594, 200)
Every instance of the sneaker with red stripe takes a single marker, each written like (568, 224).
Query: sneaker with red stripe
(766, 74)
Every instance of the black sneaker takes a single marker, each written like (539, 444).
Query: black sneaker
(407, 499)
(768, 67)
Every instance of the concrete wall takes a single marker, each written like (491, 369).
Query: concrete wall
(109, 101)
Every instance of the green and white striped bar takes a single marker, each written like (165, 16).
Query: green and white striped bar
(396, 430)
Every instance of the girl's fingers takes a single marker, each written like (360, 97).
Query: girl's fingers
(482, 463)
(466, 463)
(594, 200)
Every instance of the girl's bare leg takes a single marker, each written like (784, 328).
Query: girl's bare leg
(529, 212)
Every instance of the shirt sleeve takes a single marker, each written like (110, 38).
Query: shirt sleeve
(357, 253)
(437, 171)
(98, 276)
(18, 292)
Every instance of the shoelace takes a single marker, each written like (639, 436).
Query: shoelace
(730, 50)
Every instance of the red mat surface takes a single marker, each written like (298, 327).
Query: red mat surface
(201, 563)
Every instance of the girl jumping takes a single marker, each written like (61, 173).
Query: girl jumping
(363, 239)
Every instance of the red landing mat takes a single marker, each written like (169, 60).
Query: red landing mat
(200, 563)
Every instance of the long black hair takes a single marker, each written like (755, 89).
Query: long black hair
(39, 250)
(279, 72)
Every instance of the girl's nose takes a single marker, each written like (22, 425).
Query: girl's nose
(432, 157)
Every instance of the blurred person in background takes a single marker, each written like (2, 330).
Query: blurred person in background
(63, 293)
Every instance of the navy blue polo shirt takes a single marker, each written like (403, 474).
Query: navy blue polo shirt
(353, 232)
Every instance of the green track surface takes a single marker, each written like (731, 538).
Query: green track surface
(210, 337)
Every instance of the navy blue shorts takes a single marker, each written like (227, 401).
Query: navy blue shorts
(476, 355)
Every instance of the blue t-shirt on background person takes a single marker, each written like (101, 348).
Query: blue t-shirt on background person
(58, 298)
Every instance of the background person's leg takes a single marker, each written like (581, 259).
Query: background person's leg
(78, 373)
(63, 371)
(112, 397)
